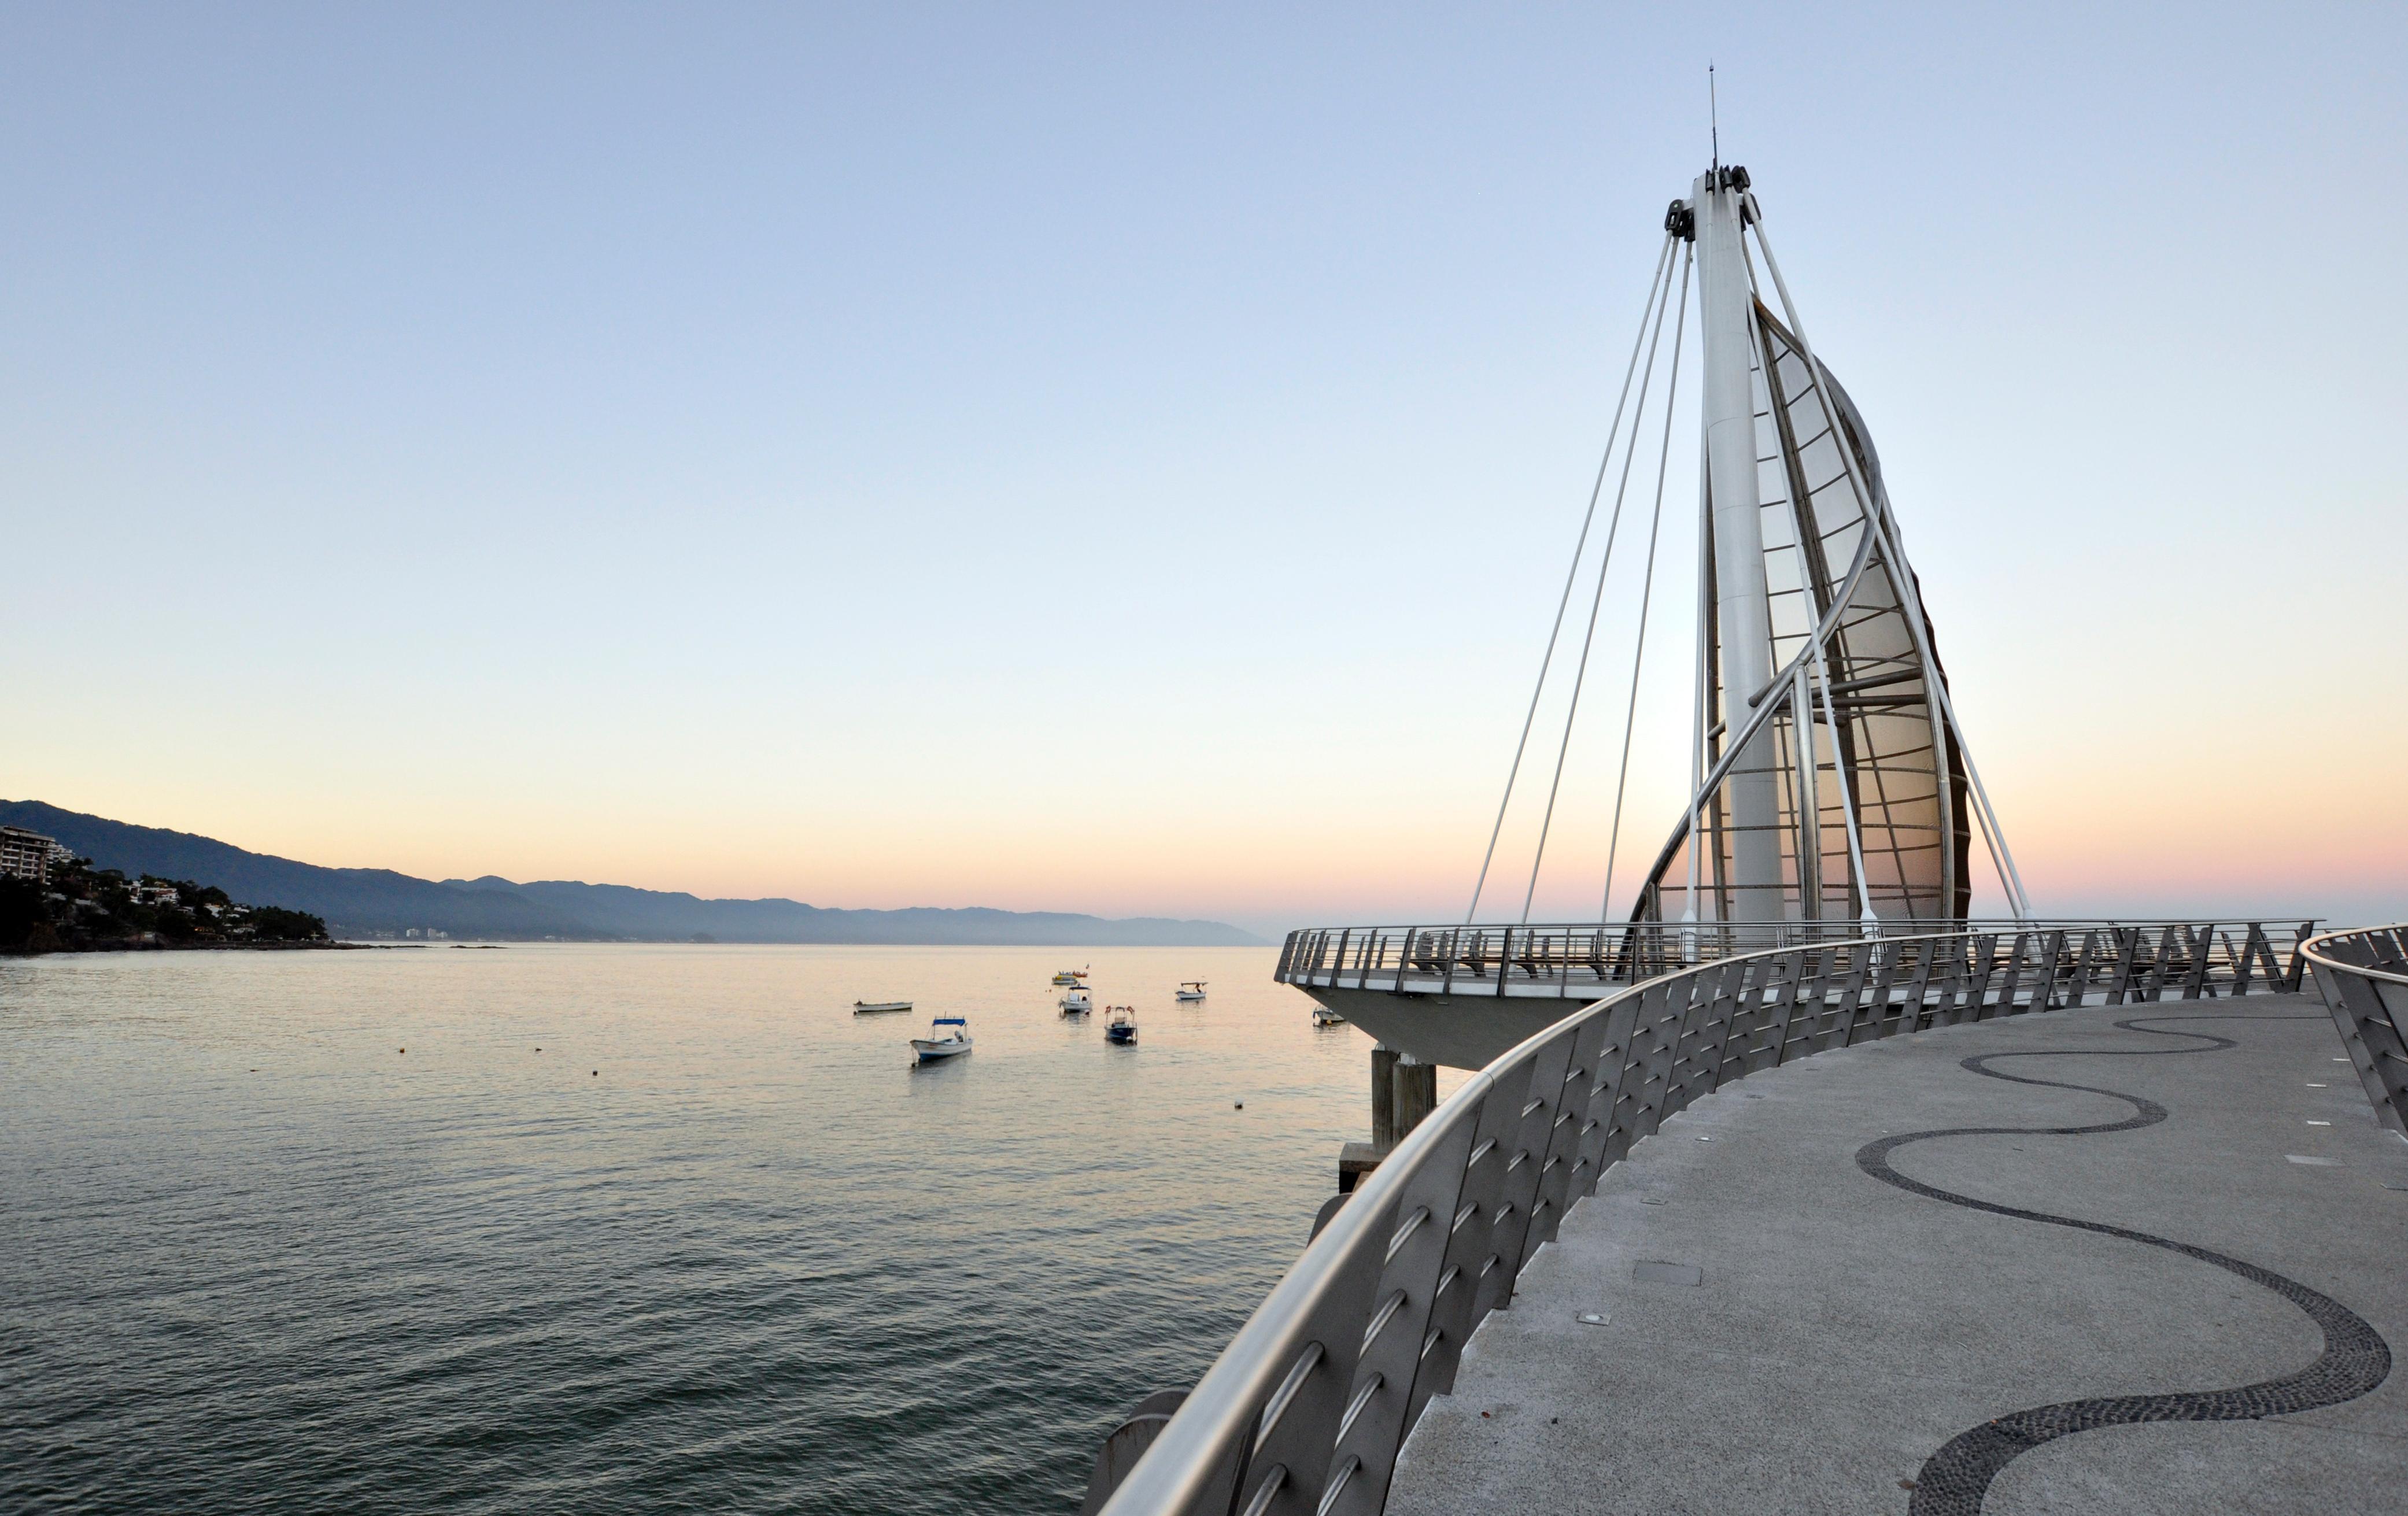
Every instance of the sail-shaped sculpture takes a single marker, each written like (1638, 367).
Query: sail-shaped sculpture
(1832, 793)
(1830, 781)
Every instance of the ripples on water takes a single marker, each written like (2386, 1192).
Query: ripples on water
(758, 1262)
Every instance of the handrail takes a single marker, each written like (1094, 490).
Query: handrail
(2363, 974)
(1306, 1407)
(1585, 959)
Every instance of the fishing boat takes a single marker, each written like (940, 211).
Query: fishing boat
(878, 1007)
(1077, 1003)
(1190, 990)
(1068, 975)
(1120, 1024)
(1323, 1016)
(949, 1037)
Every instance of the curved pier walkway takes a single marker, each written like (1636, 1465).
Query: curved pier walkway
(2139, 1258)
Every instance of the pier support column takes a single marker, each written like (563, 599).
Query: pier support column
(1383, 1096)
(1414, 1095)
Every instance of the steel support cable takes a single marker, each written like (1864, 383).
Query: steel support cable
(1657, 285)
(1613, 529)
(1647, 594)
(2000, 856)
(1700, 694)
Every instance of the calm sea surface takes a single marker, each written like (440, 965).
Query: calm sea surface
(717, 1246)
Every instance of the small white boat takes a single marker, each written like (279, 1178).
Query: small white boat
(878, 1007)
(1323, 1016)
(1069, 976)
(1190, 990)
(1078, 1002)
(949, 1037)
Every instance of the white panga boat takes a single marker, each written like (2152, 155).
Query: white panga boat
(877, 1008)
(1190, 990)
(1323, 1016)
(1069, 976)
(1078, 1002)
(949, 1037)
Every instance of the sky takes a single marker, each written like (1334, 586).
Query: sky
(1123, 458)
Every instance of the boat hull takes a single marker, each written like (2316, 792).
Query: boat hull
(862, 1008)
(936, 1052)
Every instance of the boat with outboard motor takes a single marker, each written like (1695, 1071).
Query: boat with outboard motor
(1120, 1024)
(1077, 1002)
(1190, 991)
(949, 1037)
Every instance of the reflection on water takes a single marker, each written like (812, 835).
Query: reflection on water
(318, 1231)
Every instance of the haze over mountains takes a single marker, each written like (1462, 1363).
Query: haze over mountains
(374, 901)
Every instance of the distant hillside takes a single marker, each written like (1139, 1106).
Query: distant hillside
(362, 901)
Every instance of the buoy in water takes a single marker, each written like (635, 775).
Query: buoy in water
(1241, 1104)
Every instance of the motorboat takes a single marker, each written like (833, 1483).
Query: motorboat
(1190, 990)
(1323, 1016)
(1077, 1002)
(949, 1037)
(878, 1007)
(1068, 975)
(1120, 1024)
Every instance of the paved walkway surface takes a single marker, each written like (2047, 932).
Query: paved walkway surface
(2216, 1318)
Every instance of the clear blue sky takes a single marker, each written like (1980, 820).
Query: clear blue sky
(1120, 458)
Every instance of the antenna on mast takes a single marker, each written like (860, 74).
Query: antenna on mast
(1713, 114)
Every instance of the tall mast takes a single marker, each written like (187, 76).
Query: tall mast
(1742, 612)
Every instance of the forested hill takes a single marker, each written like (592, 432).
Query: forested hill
(371, 901)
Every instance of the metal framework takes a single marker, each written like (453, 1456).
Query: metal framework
(2363, 976)
(1305, 1411)
(1579, 961)
(1830, 777)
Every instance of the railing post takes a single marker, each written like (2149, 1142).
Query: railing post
(2299, 957)
(2127, 952)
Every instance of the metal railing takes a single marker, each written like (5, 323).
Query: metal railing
(2363, 976)
(1584, 960)
(1305, 1410)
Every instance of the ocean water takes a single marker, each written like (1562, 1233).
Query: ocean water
(717, 1246)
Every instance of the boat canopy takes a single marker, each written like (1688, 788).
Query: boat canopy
(949, 1021)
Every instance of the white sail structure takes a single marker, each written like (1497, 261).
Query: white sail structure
(1833, 781)
(1830, 779)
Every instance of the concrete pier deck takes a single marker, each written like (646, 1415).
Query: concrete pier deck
(2187, 1298)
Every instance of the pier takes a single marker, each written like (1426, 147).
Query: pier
(1902, 1209)
(1902, 1275)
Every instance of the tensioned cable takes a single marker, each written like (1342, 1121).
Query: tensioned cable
(1658, 284)
(1646, 593)
(1614, 528)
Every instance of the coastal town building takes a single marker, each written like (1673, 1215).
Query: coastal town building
(25, 855)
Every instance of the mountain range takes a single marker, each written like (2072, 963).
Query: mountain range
(362, 902)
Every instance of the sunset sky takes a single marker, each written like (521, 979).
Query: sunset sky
(1123, 459)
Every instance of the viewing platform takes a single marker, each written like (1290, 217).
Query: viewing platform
(1815, 1289)
(1857, 1225)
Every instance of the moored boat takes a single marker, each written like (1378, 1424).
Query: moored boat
(1323, 1016)
(878, 1007)
(949, 1037)
(1190, 990)
(1068, 975)
(1120, 1024)
(1077, 1002)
